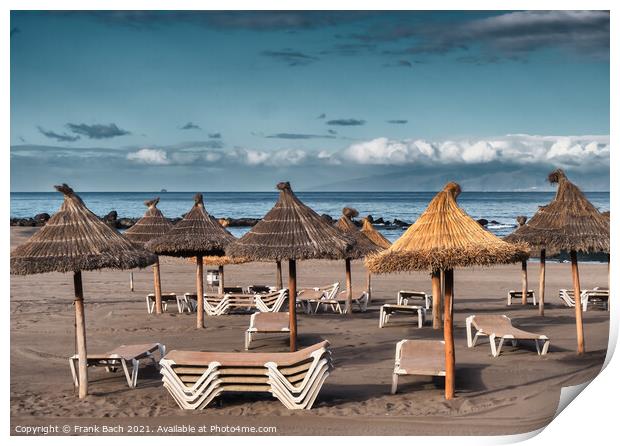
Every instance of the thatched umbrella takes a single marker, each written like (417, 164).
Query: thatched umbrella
(444, 238)
(152, 225)
(225, 222)
(291, 231)
(196, 235)
(363, 247)
(76, 240)
(378, 239)
(569, 223)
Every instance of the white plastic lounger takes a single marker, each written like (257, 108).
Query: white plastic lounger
(194, 379)
(596, 295)
(266, 323)
(165, 298)
(499, 326)
(306, 297)
(360, 298)
(388, 309)
(405, 296)
(512, 294)
(272, 301)
(121, 356)
(419, 357)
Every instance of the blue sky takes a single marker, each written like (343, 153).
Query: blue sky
(327, 100)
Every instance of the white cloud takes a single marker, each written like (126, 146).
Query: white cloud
(509, 149)
(149, 156)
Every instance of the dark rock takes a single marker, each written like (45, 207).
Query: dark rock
(42, 218)
(125, 223)
(483, 221)
(379, 221)
(111, 216)
(370, 219)
(400, 223)
(242, 221)
(328, 218)
(494, 222)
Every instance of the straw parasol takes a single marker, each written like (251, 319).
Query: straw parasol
(569, 223)
(152, 225)
(76, 240)
(444, 238)
(291, 231)
(363, 247)
(196, 235)
(375, 236)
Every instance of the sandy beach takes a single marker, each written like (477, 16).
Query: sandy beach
(517, 392)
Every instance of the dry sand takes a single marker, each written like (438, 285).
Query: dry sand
(517, 392)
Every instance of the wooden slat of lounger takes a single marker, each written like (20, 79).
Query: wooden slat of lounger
(129, 352)
(500, 326)
(242, 359)
(271, 321)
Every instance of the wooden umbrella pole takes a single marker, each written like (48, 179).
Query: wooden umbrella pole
(436, 288)
(221, 280)
(292, 301)
(157, 283)
(524, 282)
(279, 274)
(368, 285)
(349, 306)
(448, 334)
(200, 311)
(577, 293)
(80, 327)
(541, 283)
(131, 281)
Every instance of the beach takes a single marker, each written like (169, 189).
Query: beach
(514, 393)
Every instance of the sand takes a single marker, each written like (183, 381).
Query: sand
(517, 392)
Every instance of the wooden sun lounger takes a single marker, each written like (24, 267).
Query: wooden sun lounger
(272, 301)
(266, 323)
(194, 379)
(165, 298)
(499, 326)
(405, 296)
(360, 298)
(512, 294)
(419, 357)
(596, 295)
(306, 297)
(388, 309)
(122, 356)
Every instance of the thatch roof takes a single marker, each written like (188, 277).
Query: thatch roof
(75, 239)
(375, 236)
(291, 230)
(151, 226)
(196, 234)
(363, 245)
(221, 260)
(569, 222)
(445, 237)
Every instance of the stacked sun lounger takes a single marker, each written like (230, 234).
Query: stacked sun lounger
(596, 295)
(271, 302)
(194, 379)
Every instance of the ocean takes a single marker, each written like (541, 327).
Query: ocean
(502, 207)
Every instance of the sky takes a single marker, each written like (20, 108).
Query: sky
(238, 101)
